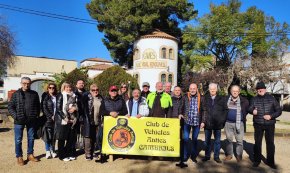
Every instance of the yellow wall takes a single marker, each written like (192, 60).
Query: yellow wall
(30, 65)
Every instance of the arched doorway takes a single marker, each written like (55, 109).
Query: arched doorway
(39, 86)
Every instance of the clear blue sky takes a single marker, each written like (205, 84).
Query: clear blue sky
(41, 36)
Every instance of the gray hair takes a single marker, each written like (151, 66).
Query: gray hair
(213, 85)
(26, 78)
(137, 89)
(168, 83)
(235, 86)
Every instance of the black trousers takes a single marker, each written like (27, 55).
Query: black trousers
(66, 147)
(269, 131)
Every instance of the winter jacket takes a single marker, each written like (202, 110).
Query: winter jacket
(125, 96)
(48, 110)
(88, 113)
(80, 104)
(216, 113)
(244, 107)
(141, 100)
(19, 103)
(165, 102)
(145, 94)
(177, 106)
(113, 105)
(202, 109)
(266, 105)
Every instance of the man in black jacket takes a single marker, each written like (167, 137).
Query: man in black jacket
(213, 121)
(24, 108)
(265, 110)
(79, 92)
(114, 105)
(177, 109)
(145, 89)
(92, 120)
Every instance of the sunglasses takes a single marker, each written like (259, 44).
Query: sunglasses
(123, 87)
(94, 90)
(113, 90)
(51, 87)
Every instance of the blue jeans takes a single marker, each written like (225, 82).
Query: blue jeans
(217, 143)
(99, 139)
(18, 136)
(195, 131)
(48, 146)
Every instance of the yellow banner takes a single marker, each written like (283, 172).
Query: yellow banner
(146, 136)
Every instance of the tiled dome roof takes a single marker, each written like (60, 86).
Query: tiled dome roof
(159, 34)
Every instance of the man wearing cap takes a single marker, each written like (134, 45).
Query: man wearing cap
(265, 110)
(159, 102)
(113, 105)
(145, 92)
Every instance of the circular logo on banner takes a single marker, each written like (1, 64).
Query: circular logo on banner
(121, 137)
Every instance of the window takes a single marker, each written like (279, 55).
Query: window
(136, 54)
(163, 53)
(170, 53)
(170, 78)
(163, 78)
(1, 83)
(136, 77)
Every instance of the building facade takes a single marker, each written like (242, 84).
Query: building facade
(96, 66)
(155, 59)
(39, 69)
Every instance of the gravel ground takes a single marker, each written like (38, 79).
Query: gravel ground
(130, 165)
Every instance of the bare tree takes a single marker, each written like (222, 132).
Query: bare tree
(7, 47)
(246, 72)
(269, 70)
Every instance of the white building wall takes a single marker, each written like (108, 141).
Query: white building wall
(90, 63)
(13, 83)
(152, 75)
(10, 83)
(93, 73)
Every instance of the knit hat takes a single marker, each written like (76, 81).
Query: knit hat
(260, 85)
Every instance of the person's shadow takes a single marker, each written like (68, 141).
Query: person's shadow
(4, 129)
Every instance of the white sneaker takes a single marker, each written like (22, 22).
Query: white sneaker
(53, 154)
(72, 158)
(47, 155)
(66, 159)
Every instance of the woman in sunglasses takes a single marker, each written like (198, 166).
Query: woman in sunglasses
(123, 92)
(49, 108)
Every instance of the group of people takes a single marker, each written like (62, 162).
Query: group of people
(69, 113)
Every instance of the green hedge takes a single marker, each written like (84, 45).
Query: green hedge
(114, 76)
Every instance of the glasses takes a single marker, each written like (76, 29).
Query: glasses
(24, 83)
(94, 90)
(113, 90)
(51, 87)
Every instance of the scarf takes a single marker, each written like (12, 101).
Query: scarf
(64, 105)
(238, 118)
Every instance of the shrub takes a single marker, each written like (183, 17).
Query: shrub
(114, 76)
(74, 76)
